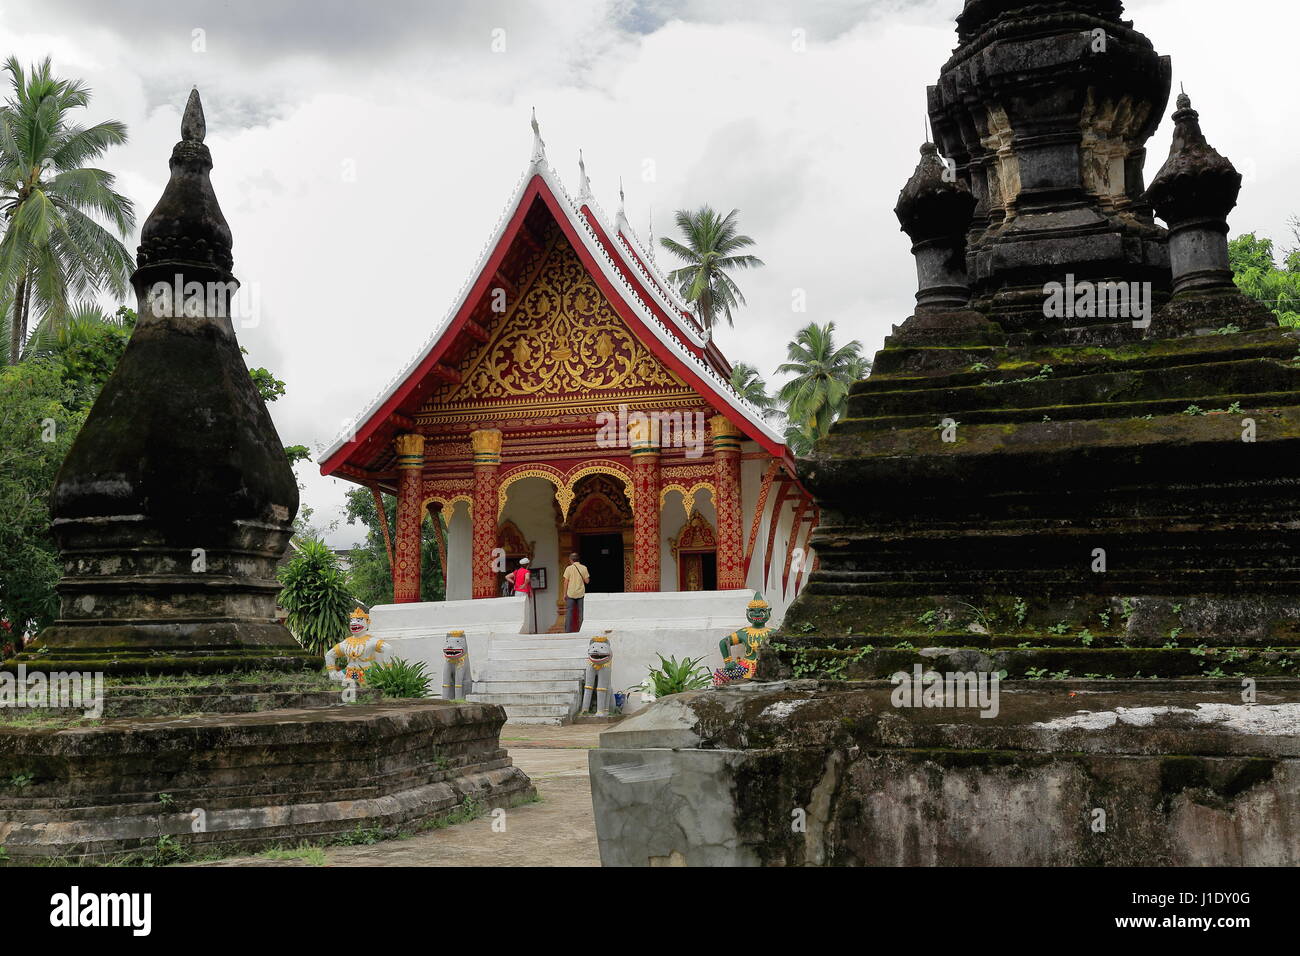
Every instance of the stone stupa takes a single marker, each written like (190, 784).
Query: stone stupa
(1072, 470)
(176, 500)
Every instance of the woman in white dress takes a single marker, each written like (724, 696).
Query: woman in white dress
(523, 585)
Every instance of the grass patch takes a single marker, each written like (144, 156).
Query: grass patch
(314, 855)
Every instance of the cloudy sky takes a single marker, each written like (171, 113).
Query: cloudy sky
(364, 151)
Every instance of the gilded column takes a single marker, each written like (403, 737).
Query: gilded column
(645, 519)
(487, 462)
(726, 481)
(410, 516)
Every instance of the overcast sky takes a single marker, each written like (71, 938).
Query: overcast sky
(364, 151)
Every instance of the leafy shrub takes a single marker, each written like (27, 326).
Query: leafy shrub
(673, 676)
(399, 678)
(316, 595)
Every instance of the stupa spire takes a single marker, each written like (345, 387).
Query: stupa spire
(935, 209)
(1193, 193)
(187, 227)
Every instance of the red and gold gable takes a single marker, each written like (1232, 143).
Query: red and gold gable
(557, 345)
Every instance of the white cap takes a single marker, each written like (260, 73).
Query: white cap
(523, 560)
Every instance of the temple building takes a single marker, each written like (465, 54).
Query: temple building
(571, 402)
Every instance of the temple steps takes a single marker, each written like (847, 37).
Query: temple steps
(536, 678)
(490, 690)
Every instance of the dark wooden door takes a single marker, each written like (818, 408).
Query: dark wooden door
(603, 556)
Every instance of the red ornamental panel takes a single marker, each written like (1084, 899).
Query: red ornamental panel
(410, 516)
(726, 480)
(646, 546)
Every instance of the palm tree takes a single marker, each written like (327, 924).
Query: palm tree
(710, 249)
(751, 387)
(53, 203)
(822, 372)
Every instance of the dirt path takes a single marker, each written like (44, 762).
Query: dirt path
(558, 831)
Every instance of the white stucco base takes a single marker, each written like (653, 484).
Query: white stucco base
(642, 626)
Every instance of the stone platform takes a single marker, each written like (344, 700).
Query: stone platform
(642, 626)
(259, 779)
(811, 772)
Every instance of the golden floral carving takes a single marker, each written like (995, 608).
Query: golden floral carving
(562, 339)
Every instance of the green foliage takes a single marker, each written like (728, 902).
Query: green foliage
(361, 836)
(751, 387)
(317, 597)
(399, 678)
(268, 386)
(63, 217)
(1019, 611)
(673, 676)
(368, 570)
(86, 345)
(1258, 276)
(311, 855)
(818, 391)
(37, 427)
(167, 850)
(711, 249)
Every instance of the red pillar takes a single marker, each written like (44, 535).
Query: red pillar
(487, 462)
(410, 516)
(726, 482)
(645, 518)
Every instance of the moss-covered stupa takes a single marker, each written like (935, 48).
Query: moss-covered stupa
(176, 499)
(1055, 618)
(1054, 461)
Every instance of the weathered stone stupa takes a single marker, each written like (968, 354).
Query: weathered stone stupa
(1072, 469)
(176, 500)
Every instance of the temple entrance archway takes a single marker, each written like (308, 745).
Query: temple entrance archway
(696, 551)
(600, 529)
(528, 526)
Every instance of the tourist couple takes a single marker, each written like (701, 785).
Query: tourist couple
(576, 579)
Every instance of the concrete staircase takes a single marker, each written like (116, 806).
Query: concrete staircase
(537, 678)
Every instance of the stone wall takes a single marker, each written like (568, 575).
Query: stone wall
(805, 773)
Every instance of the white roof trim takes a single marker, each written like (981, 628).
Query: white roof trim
(669, 337)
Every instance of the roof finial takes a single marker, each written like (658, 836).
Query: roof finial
(651, 247)
(584, 184)
(193, 127)
(539, 145)
(1184, 101)
(620, 195)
